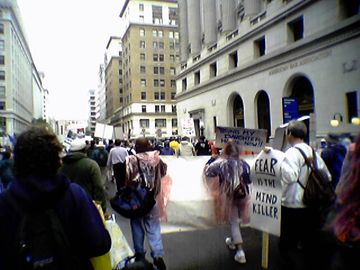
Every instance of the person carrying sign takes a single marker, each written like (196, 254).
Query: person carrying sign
(299, 223)
(234, 179)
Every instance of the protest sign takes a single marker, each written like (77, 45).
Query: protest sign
(188, 127)
(99, 130)
(249, 139)
(266, 193)
(108, 132)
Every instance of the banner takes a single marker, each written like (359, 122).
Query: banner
(119, 134)
(249, 139)
(267, 191)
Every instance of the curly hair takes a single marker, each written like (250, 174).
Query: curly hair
(37, 152)
(231, 150)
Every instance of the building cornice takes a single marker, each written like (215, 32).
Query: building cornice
(344, 31)
(127, 2)
(163, 26)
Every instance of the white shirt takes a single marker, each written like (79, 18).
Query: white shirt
(294, 168)
(117, 154)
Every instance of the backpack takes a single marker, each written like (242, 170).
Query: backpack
(41, 242)
(134, 201)
(101, 156)
(318, 191)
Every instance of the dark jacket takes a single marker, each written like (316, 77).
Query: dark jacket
(85, 172)
(6, 171)
(74, 207)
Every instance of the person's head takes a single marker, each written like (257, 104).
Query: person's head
(92, 143)
(117, 142)
(37, 153)
(166, 143)
(296, 131)
(185, 138)
(202, 138)
(111, 142)
(6, 155)
(231, 150)
(77, 145)
(142, 145)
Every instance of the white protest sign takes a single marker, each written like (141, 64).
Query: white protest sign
(99, 130)
(267, 191)
(188, 127)
(108, 132)
(119, 134)
(249, 139)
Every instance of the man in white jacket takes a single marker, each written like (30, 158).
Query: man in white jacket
(299, 223)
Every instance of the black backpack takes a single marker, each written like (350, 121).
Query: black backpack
(318, 191)
(101, 156)
(41, 242)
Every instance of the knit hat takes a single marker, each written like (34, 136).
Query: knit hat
(77, 145)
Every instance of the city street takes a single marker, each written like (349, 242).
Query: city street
(191, 248)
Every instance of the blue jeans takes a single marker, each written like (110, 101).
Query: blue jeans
(151, 225)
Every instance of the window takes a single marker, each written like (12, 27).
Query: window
(162, 95)
(296, 29)
(156, 83)
(161, 45)
(174, 122)
(144, 123)
(143, 82)
(171, 45)
(142, 56)
(173, 16)
(141, 18)
(162, 108)
(143, 95)
(172, 58)
(2, 91)
(215, 123)
(2, 75)
(176, 35)
(213, 70)
(141, 7)
(142, 69)
(154, 32)
(155, 57)
(233, 60)
(162, 83)
(156, 70)
(142, 44)
(173, 94)
(2, 105)
(172, 71)
(197, 77)
(2, 60)
(155, 45)
(172, 83)
(1, 28)
(159, 123)
(260, 47)
(173, 108)
(157, 108)
(142, 32)
(160, 33)
(352, 105)
(161, 57)
(162, 70)
(143, 108)
(157, 14)
(184, 84)
(2, 45)
(171, 34)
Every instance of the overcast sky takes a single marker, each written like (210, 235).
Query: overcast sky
(67, 39)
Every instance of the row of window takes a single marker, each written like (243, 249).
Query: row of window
(158, 70)
(159, 108)
(158, 95)
(159, 123)
(159, 33)
(160, 57)
(157, 83)
(160, 45)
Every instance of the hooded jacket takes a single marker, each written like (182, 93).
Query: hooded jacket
(152, 167)
(85, 172)
(74, 207)
(186, 149)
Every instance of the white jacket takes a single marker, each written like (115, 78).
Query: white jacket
(294, 167)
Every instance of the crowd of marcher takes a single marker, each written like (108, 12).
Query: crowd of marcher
(39, 177)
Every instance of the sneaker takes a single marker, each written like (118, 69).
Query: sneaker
(159, 263)
(139, 257)
(240, 256)
(229, 243)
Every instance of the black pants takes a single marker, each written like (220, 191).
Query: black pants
(299, 240)
(119, 174)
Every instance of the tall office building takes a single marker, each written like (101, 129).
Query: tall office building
(21, 91)
(150, 54)
(260, 63)
(92, 112)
